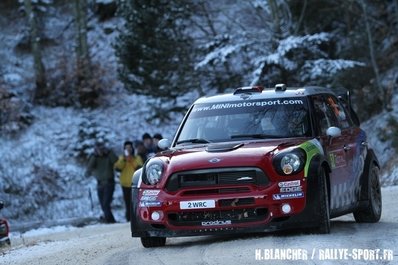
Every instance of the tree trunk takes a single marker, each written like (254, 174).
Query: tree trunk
(277, 34)
(41, 90)
(396, 11)
(82, 51)
(86, 87)
(385, 100)
(302, 13)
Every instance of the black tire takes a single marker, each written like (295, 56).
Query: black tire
(153, 242)
(372, 212)
(5, 243)
(324, 207)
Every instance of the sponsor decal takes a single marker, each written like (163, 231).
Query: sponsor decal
(291, 189)
(246, 104)
(286, 184)
(150, 204)
(149, 198)
(216, 222)
(151, 192)
(311, 148)
(283, 196)
(337, 159)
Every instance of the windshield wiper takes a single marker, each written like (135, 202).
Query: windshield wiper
(258, 136)
(194, 141)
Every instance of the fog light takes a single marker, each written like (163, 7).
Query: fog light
(286, 208)
(155, 215)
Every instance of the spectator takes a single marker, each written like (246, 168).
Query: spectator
(156, 138)
(148, 144)
(101, 166)
(141, 150)
(127, 163)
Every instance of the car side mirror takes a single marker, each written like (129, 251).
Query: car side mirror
(164, 144)
(1, 205)
(333, 132)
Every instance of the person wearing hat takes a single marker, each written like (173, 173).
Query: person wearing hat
(101, 165)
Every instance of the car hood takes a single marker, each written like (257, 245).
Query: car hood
(232, 154)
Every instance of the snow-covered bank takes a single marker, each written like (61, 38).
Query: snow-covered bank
(45, 154)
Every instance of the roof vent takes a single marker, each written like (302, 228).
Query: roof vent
(248, 89)
(280, 87)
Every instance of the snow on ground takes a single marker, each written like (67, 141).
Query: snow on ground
(112, 244)
(50, 141)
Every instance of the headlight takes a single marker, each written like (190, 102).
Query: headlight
(288, 163)
(154, 171)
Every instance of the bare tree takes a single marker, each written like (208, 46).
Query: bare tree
(82, 50)
(375, 67)
(302, 14)
(85, 86)
(396, 11)
(41, 90)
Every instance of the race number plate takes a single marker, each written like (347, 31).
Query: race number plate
(197, 204)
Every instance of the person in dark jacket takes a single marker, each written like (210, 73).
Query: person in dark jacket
(101, 165)
(156, 138)
(148, 144)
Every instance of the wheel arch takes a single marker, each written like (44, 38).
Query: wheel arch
(327, 170)
(370, 159)
(373, 157)
(317, 163)
(136, 178)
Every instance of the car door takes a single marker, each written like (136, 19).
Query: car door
(355, 149)
(337, 150)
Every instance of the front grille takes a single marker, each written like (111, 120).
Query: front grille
(216, 191)
(216, 177)
(225, 217)
(235, 202)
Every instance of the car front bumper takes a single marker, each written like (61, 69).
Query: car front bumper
(158, 213)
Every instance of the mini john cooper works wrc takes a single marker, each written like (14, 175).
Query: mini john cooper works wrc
(258, 160)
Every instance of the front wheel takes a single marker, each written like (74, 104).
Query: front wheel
(153, 242)
(324, 208)
(372, 212)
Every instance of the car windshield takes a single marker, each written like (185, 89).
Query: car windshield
(251, 119)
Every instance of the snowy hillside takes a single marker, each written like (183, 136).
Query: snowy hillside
(42, 165)
(42, 177)
(381, 136)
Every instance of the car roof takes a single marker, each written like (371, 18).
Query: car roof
(258, 93)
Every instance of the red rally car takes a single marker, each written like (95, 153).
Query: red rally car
(258, 160)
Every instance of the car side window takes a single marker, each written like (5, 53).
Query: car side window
(324, 113)
(349, 110)
(340, 113)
